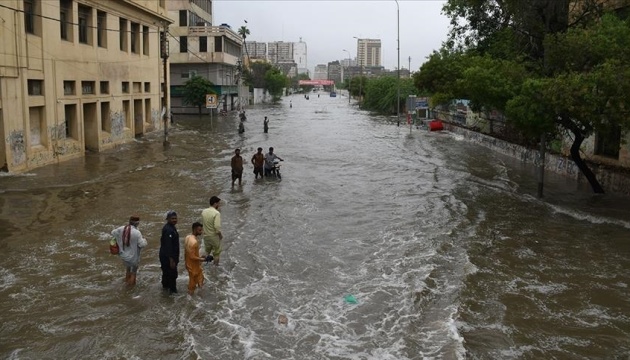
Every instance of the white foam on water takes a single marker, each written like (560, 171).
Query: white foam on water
(588, 217)
(7, 279)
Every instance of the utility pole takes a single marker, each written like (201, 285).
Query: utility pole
(164, 55)
(410, 66)
(398, 79)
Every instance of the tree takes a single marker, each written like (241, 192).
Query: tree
(381, 94)
(550, 66)
(255, 75)
(275, 82)
(295, 82)
(195, 90)
(243, 31)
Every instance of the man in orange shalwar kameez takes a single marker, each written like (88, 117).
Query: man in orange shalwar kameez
(192, 258)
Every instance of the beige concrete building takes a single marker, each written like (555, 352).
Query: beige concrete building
(199, 48)
(77, 75)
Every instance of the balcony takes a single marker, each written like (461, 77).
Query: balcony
(215, 31)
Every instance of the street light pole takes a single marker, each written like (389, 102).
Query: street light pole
(398, 80)
(348, 75)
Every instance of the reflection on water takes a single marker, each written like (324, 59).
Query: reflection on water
(441, 243)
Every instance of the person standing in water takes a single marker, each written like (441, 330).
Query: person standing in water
(266, 125)
(258, 160)
(237, 167)
(169, 252)
(192, 258)
(130, 242)
(212, 235)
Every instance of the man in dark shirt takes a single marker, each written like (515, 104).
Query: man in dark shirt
(169, 252)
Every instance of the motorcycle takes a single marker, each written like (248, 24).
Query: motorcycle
(275, 171)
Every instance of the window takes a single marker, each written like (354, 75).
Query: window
(125, 87)
(183, 17)
(145, 40)
(35, 87)
(147, 87)
(162, 4)
(137, 87)
(87, 87)
(104, 87)
(29, 16)
(218, 42)
(203, 44)
(183, 44)
(106, 121)
(608, 142)
(123, 34)
(85, 24)
(101, 29)
(135, 38)
(65, 19)
(68, 87)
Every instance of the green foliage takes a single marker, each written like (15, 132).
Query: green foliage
(243, 31)
(546, 69)
(381, 94)
(255, 75)
(275, 82)
(195, 90)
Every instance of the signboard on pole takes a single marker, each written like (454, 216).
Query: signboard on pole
(212, 101)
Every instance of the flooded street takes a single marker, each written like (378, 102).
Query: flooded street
(441, 242)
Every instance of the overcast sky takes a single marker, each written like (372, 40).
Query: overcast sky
(328, 27)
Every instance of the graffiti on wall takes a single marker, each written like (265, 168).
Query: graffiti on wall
(155, 118)
(117, 127)
(15, 142)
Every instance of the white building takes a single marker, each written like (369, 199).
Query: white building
(299, 56)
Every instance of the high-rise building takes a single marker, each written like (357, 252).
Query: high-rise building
(369, 52)
(321, 72)
(334, 72)
(280, 51)
(77, 76)
(256, 50)
(299, 56)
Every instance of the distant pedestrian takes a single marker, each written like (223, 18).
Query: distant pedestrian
(169, 252)
(241, 127)
(212, 235)
(258, 160)
(266, 125)
(192, 258)
(130, 242)
(237, 167)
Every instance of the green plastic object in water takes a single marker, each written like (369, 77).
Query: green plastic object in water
(350, 299)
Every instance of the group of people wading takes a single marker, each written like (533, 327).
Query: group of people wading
(206, 234)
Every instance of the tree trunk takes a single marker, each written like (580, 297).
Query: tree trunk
(581, 164)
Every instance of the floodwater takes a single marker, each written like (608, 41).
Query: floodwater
(441, 242)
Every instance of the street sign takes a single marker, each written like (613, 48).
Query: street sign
(212, 101)
(422, 103)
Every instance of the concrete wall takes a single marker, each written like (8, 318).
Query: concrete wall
(60, 97)
(261, 96)
(613, 179)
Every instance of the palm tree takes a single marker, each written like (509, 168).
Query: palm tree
(243, 31)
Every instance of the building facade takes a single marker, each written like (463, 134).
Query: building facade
(256, 50)
(280, 52)
(335, 72)
(300, 57)
(77, 75)
(197, 48)
(369, 52)
(320, 72)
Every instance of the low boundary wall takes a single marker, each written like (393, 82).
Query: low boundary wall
(612, 179)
